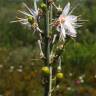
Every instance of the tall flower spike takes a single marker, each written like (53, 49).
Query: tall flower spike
(67, 23)
(30, 17)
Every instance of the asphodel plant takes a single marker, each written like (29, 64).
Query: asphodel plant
(51, 38)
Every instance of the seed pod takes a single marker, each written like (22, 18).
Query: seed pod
(43, 6)
(45, 71)
(59, 76)
(30, 19)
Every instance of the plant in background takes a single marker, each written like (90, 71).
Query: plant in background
(51, 39)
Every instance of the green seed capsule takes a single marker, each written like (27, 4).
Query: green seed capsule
(45, 71)
(59, 76)
(30, 19)
(43, 6)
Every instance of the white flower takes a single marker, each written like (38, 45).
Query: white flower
(70, 74)
(81, 77)
(82, 81)
(1, 66)
(30, 17)
(20, 70)
(67, 23)
(69, 88)
(11, 69)
(94, 76)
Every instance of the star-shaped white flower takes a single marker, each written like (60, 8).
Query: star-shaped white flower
(30, 17)
(67, 23)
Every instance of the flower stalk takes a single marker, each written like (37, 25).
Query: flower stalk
(47, 46)
(50, 79)
(51, 44)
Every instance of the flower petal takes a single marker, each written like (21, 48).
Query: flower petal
(19, 20)
(71, 29)
(72, 18)
(66, 9)
(62, 34)
(24, 23)
(28, 8)
(35, 8)
(58, 28)
(25, 13)
(63, 31)
(35, 5)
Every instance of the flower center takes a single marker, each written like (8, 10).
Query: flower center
(58, 22)
(62, 19)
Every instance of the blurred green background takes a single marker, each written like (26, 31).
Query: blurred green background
(20, 72)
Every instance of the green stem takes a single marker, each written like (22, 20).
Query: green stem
(50, 79)
(48, 18)
(47, 47)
